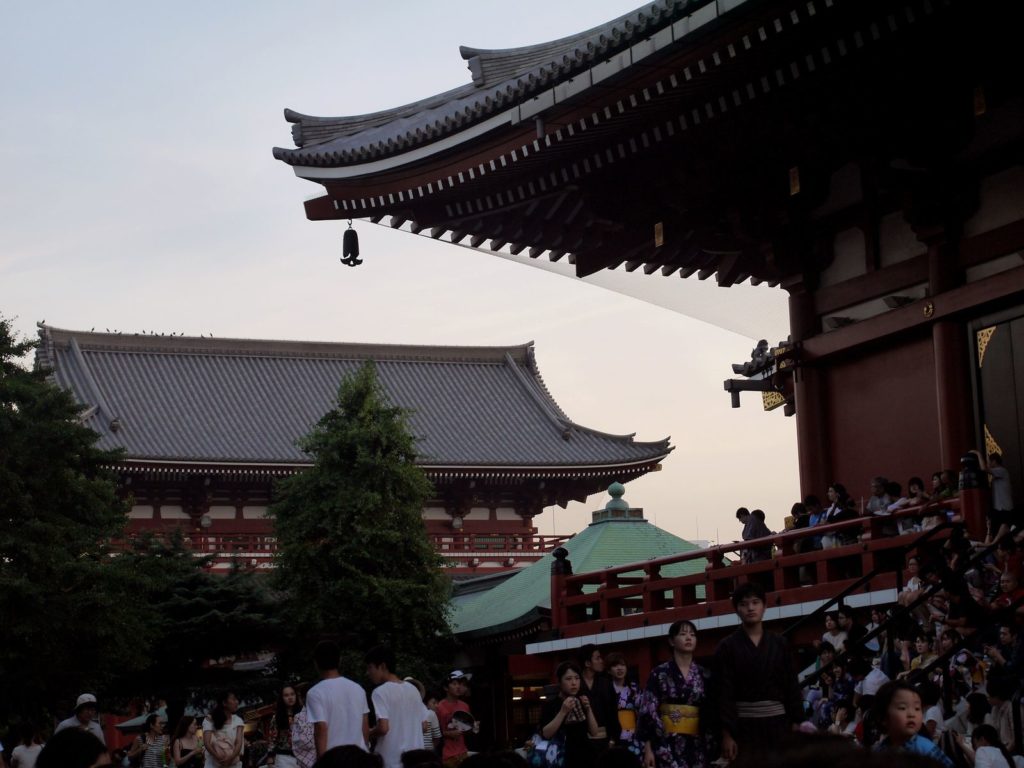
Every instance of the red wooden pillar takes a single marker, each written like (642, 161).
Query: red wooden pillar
(952, 359)
(561, 568)
(809, 395)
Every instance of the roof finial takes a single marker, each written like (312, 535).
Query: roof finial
(616, 503)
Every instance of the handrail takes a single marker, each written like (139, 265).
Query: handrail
(779, 540)
(916, 543)
(537, 543)
(634, 594)
(905, 610)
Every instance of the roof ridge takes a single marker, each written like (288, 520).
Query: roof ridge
(99, 402)
(304, 126)
(237, 347)
(567, 421)
(547, 53)
(44, 352)
(498, 83)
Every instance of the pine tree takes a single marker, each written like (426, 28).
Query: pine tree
(71, 614)
(353, 556)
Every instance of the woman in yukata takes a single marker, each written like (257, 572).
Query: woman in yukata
(672, 704)
(628, 693)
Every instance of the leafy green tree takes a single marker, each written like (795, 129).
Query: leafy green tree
(71, 618)
(353, 556)
(197, 616)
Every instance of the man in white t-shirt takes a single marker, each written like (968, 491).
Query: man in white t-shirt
(336, 705)
(398, 706)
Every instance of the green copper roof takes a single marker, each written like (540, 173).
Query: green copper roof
(601, 545)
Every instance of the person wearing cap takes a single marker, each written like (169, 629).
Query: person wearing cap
(84, 718)
(454, 750)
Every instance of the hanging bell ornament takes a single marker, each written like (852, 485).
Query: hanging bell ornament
(350, 247)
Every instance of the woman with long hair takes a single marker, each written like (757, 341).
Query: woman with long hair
(186, 748)
(837, 511)
(223, 733)
(288, 706)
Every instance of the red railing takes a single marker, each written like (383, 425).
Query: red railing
(258, 549)
(496, 543)
(637, 594)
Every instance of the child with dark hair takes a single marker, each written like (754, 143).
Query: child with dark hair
(73, 748)
(899, 716)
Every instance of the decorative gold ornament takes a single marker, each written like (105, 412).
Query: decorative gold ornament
(991, 446)
(772, 400)
(984, 337)
(929, 309)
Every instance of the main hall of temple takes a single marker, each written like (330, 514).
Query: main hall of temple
(863, 156)
(207, 425)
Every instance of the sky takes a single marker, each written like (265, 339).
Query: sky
(139, 193)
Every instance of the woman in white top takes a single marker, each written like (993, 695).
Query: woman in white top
(223, 734)
(24, 755)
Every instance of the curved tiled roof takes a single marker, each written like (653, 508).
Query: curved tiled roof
(235, 400)
(605, 544)
(501, 79)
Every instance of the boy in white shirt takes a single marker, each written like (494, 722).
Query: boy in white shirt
(398, 707)
(336, 705)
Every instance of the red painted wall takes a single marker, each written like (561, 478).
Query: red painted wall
(881, 413)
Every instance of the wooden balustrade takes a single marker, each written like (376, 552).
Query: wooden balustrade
(496, 542)
(259, 548)
(638, 594)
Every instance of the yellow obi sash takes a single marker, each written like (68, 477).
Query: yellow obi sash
(680, 718)
(627, 719)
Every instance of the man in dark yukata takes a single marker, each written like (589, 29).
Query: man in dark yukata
(759, 695)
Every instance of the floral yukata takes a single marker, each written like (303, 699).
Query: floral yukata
(668, 686)
(628, 712)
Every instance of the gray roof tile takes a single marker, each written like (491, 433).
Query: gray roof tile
(501, 79)
(237, 400)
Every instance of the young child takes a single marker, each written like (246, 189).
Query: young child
(899, 715)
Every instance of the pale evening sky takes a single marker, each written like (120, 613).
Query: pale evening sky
(139, 193)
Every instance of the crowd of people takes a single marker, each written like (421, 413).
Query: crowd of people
(326, 725)
(885, 498)
(943, 684)
(938, 675)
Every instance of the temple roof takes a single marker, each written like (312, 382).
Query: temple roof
(523, 598)
(206, 400)
(501, 78)
(730, 123)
